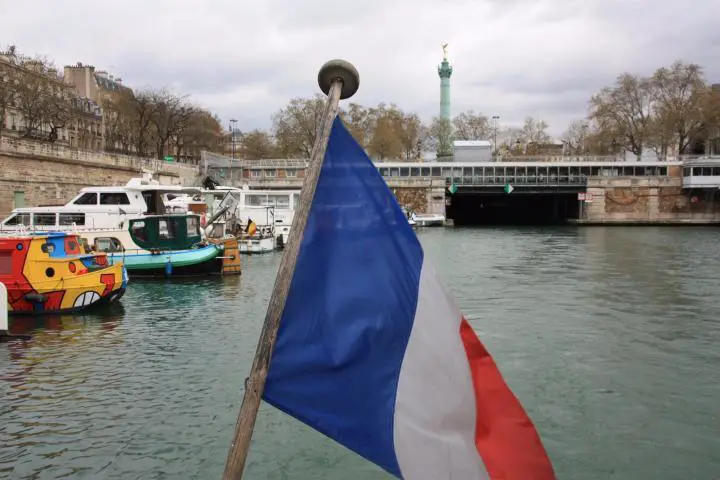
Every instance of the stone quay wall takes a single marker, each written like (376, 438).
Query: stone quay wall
(45, 174)
(659, 200)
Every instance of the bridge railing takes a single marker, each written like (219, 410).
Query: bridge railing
(519, 181)
(19, 146)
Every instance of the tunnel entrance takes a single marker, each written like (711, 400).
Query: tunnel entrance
(517, 208)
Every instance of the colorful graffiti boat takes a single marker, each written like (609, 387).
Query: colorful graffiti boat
(52, 273)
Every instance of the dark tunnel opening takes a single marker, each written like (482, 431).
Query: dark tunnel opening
(517, 208)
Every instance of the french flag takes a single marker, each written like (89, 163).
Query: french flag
(373, 352)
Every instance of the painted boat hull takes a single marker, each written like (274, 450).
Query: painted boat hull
(174, 263)
(49, 274)
(105, 301)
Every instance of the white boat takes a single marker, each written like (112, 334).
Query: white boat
(262, 244)
(250, 204)
(428, 219)
(264, 239)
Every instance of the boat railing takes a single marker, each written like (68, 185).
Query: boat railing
(145, 251)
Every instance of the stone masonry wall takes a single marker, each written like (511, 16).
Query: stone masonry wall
(651, 200)
(414, 198)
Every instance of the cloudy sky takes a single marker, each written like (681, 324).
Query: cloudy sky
(245, 59)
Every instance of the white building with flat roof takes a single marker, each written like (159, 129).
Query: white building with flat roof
(472, 151)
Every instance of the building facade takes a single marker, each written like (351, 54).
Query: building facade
(99, 88)
(37, 103)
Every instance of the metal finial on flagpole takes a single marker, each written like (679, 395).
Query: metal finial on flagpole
(338, 79)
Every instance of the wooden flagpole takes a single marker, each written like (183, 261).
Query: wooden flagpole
(339, 80)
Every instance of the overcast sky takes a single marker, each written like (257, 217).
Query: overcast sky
(245, 59)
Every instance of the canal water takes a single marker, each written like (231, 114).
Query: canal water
(610, 337)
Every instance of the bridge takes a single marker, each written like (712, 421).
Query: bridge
(533, 171)
(568, 184)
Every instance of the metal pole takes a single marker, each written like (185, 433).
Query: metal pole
(338, 80)
(4, 324)
(232, 146)
(495, 132)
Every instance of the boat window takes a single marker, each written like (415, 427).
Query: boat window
(108, 245)
(280, 201)
(256, 200)
(19, 219)
(166, 230)
(138, 230)
(48, 248)
(70, 218)
(114, 198)
(85, 246)
(5, 262)
(89, 198)
(71, 246)
(44, 219)
(193, 226)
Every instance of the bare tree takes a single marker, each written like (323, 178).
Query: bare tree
(679, 91)
(409, 130)
(142, 109)
(472, 126)
(7, 92)
(59, 111)
(120, 129)
(32, 96)
(256, 145)
(203, 133)
(295, 126)
(359, 122)
(627, 109)
(385, 142)
(575, 137)
(441, 131)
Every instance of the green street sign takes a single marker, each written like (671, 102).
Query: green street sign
(508, 188)
(452, 189)
(169, 158)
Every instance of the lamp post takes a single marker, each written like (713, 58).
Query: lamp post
(232, 146)
(232, 136)
(495, 130)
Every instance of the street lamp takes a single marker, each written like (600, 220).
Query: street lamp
(232, 136)
(495, 130)
(232, 144)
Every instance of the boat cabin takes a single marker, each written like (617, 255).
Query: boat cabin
(166, 232)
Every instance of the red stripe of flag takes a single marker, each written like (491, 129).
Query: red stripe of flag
(504, 435)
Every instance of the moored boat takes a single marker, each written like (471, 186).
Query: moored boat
(172, 245)
(165, 246)
(428, 219)
(50, 273)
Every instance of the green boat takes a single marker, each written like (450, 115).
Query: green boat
(170, 245)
